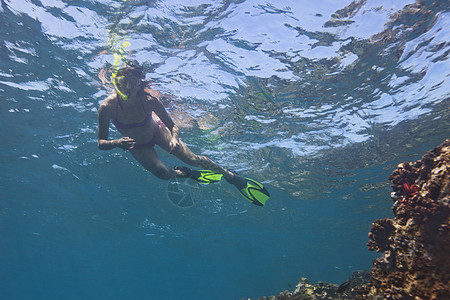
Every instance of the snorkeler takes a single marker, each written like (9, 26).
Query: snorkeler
(131, 110)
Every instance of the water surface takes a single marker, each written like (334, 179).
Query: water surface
(318, 100)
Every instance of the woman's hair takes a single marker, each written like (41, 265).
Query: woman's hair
(131, 68)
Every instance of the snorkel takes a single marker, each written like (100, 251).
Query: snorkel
(114, 81)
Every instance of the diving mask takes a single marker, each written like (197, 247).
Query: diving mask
(124, 84)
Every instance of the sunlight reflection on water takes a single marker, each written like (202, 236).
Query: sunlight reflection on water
(318, 101)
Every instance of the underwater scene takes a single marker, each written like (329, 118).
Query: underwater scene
(319, 101)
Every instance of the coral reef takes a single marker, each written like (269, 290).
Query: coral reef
(323, 290)
(416, 243)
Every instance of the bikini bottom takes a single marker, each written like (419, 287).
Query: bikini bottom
(152, 142)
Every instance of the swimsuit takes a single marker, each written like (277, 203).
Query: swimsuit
(150, 143)
(120, 125)
(148, 119)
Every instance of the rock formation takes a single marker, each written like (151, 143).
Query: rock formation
(416, 243)
(323, 290)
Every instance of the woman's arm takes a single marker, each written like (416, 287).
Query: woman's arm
(161, 112)
(103, 128)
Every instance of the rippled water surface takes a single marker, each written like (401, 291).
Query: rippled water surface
(319, 100)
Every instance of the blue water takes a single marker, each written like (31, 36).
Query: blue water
(319, 100)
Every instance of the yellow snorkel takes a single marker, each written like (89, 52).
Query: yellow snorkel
(114, 81)
(118, 43)
(119, 57)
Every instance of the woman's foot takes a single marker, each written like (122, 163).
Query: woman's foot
(183, 172)
(236, 180)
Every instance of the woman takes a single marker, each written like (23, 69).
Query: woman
(130, 109)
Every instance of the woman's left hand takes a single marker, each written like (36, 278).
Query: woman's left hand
(173, 145)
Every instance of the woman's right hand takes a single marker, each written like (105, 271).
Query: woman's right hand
(125, 143)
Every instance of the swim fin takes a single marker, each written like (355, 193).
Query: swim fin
(250, 189)
(205, 176)
(201, 176)
(255, 192)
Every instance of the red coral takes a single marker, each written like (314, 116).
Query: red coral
(409, 190)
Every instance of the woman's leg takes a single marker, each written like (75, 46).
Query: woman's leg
(148, 158)
(187, 156)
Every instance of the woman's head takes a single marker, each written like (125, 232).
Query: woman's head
(128, 78)
(131, 69)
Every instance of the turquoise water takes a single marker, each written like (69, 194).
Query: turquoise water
(318, 100)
